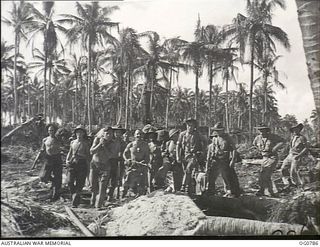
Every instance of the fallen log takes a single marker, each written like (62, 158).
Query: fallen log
(23, 125)
(224, 226)
(74, 219)
(22, 184)
(247, 207)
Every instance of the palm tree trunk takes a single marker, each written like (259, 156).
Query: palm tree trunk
(29, 103)
(15, 94)
(264, 117)
(76, 101)
(251, 92)
(196, 95)
(168, 100)
(151, 94)
(127, 101)
(89, 83)
(45, 86)
(210, 94)
(227, 103)
(93, 96)
(308, 16)
(49, 96)
(73, 108)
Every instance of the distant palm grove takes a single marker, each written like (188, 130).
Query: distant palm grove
(142, 68)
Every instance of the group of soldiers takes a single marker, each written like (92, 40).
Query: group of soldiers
(112, 162)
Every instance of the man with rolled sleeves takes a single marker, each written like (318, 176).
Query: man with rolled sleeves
(298, 148)
(221, 160)
(77, 161)
(268, 144)
(136, 157)
(189, 150)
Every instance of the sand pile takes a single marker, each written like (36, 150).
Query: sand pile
(157, 214)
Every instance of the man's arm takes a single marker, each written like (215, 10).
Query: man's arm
(179, 148)
(126, 153)
(69, 155)
(303, 151)
(96, 145)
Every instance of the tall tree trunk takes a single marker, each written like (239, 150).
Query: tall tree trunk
(89, 84)
(76, 101)
(309, 20)
(227, 103)
(45, 85)
(15, 94)
(29, 103)
(153, 78)
(126, 125)
(264, 115)
(251, 92)
(168, 99)
(196, 98)
(49, 96)
(93, 96)
(210, 94)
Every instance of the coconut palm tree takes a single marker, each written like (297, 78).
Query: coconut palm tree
(45, 26)
(213, 38)
(257, 25)
(181, 104)
(90, 27)
(227, 69)
(6, 58)
(308, 16)
(20, 18)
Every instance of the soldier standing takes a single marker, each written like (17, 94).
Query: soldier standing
(77, 162)
(155, 157)
(136, 157)
(189, 150)
(117, 167)
(267, 144)
(298, 148)
(221, 160)
(104, 150)
(52, 169)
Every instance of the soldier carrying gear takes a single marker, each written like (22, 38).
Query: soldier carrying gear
(52, 170)
(267, 144)
(136, 158)
(220, 160)
(189, 150)
(78, 163)
(298, 148)
(105, 151)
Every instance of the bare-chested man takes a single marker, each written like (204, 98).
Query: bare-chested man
(136, 156)
(52, 170)
(105, 151)
(77, 161)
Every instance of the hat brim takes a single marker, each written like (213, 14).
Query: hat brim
(172, 134)
(84, 130)
(217, 129)
(123, 130)
(299, 126)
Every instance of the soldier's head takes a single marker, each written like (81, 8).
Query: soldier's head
(118, 131)
(138, 134)
(108, 133)
(80, 132)
(217, 130)
(263, 130)
(51, 130)
(295, 130)
(191, 124)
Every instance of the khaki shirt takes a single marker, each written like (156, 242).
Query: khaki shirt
(220, 147)
(297, 144)
(265, 145)
(190, 143)
(106, 152)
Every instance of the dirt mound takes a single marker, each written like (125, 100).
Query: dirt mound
(157, 214)
(17, 154)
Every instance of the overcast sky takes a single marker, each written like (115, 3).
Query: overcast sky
(171, 18)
